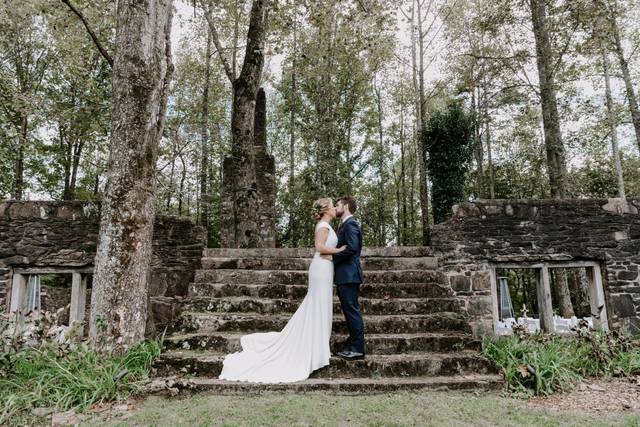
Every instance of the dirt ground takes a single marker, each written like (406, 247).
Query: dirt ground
(596, 397)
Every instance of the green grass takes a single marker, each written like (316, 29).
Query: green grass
(544, 364)
(55, 376)
(450, 409)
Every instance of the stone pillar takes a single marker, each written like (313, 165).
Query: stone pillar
(227, 214)
(265, 176)
(18, 292)
(265, 185)
(545, 307)
(78, 302)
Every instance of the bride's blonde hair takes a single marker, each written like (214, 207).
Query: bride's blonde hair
(319, 208)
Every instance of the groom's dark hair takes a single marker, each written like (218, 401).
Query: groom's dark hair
(349, 201)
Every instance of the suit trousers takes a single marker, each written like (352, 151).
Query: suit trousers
(348, 294)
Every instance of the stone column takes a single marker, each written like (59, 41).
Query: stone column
(265, 176)
(227, 213)
(265, 185)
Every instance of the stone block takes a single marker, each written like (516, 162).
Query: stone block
(481, 281)
(481, 328)
(623, 305)
(460, 283)
(627, 275)
(165, 312)
(480, 306)
(620, 235)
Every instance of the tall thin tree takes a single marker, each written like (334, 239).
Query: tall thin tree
(142, 71)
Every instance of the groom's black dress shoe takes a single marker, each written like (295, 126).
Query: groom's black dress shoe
(351, 355)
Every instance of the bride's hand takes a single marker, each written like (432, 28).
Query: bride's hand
(342, 248)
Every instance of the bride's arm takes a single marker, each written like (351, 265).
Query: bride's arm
(321, 238)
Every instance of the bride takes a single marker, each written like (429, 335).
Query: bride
(303, 345)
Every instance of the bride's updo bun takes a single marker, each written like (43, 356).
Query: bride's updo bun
(319, 208)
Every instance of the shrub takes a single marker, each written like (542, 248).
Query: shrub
(448, 139)
(64, 376)
(544, 364)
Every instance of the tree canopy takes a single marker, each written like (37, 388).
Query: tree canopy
(351, 87)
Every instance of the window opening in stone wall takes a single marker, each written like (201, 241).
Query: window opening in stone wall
(570, 298)
(66, 293)
(56, 293)
(519, 287)
(553, 297)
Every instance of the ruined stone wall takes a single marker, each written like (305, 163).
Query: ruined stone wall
(489, 231)
(65, 234)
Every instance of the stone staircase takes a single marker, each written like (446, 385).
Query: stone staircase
(416, 337)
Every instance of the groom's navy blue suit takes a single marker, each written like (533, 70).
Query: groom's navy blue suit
(348, 277)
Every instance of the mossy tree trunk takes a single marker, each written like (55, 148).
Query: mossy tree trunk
(141, 73)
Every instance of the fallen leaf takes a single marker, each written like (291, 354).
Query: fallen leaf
(523, 371)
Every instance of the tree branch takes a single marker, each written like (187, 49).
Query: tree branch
(254, 55)
(216, 41)
(95, 39)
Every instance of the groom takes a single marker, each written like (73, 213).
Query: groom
(348, 276)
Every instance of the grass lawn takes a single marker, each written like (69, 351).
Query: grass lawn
(315, 409)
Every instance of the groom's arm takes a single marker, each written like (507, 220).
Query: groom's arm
(351, 240)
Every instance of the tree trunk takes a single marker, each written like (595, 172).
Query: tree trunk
(174, 154)
(203, 203)
(293, 239)
(612, 126)
(75, 164)
(183, 177)
(66, 146)
(141, 73)
(556, 162)
(396, 183)
(412, 201)
(487, 126)
(487, 137)
(421, 114)
(626, 75)
(381, 183)
(403, 181)
(479, 147)
(565, 307)
(240, 181)
(18, 171)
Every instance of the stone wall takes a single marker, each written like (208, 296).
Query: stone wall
(492, 231)
(65, 235)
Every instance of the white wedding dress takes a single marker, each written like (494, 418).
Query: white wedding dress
(303, 345)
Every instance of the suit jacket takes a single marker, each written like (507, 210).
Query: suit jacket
(347, 267)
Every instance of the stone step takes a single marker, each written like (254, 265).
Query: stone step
(345, 386)
(209, 364)
(376, 343)
(391, 251)
(372, 263)
(367, 290)
(279, 306)
(390, 324)
(294, 277)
